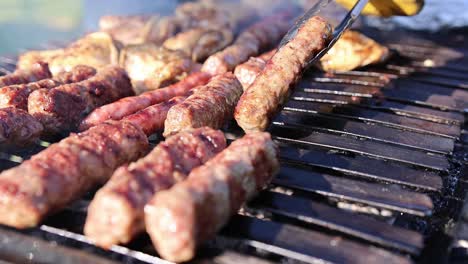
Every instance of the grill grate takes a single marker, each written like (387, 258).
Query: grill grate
(372, 171)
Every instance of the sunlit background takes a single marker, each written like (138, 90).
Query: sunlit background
(33, 24)
(26, 24)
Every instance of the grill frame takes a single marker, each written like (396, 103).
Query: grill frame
(272, 230)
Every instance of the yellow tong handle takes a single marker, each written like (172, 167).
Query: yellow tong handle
(387, 8)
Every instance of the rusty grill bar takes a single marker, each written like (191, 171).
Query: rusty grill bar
(373, 169)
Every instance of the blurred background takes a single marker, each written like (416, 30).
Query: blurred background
(26, 24)
(31, 24)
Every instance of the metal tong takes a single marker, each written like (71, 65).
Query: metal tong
(337, 31)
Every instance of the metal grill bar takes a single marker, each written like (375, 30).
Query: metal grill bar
(380, 140)
(342, 221)
(373, 116)
(374, 132)
(306, 245)
(381, 196)
(365, 167)
(360, 146)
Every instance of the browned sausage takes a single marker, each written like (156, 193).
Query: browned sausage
(37, 71)
(273, 85)
(210, 105)
(17, 127)
(181, 218)
(130, 105)
(65, 170)
(17, 95)
(116, 213)
(62, 108)
(258, 37)
(151, 119)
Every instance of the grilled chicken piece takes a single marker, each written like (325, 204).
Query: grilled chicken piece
(29, 58)
(116, 213)
(207, 13)
(37, 71)
(258, 37)
(210, 105)
(351, 51)
(151, 67)
(152, 118)
(199, 14)
(66, 170)
(17, 127)
(96, 50)
(199, 43)
(273, 85)
(139, 29)
(191, 212)
(62, 108)
(17, 95)
(130, 105)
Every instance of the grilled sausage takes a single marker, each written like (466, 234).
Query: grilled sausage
(258, 37)
(130, 105)
(77, 74)
(273, 85)
(211, 105)
(138, 29)
(191, 212)
(198, 14)
(151, 119)
(37, 71)
(199, 43)
(17, 127)
(248, 71)
(65, 170)
(116, 213)
(17, 95)
(61, 109)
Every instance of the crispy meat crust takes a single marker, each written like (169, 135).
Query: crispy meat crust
(210, 105)
(17, 95)
(65, 170)
(152, 118)
(61, 109)
(116, 213)
(255, 39)
(191, 212)
(272, 86)
(17, 127)
(131, 105)
(37, 71)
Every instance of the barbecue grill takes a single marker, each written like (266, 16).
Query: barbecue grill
(373, 171)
